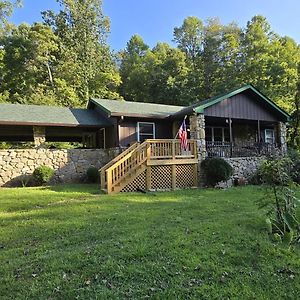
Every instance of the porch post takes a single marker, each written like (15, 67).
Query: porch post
(282, 137)
(39, 136)
(197, 132)
(230, 135)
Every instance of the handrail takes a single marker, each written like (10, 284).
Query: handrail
(112, 162)
(126, 165)
(121, 155)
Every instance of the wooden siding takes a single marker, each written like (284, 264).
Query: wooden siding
(242, 106)
(128, 130)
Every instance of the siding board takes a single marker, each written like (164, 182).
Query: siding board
(241, 106)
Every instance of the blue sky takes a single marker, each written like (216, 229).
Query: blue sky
(155, 20)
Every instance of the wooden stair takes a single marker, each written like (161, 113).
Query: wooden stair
(124, 168)
(149, 166)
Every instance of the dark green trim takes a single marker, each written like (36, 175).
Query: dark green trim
(200, 109)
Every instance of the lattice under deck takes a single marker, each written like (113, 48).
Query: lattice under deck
(138, 183)
(185, 176)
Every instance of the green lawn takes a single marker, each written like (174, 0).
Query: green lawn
(70, 242)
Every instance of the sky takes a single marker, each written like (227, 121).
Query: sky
(155, 20)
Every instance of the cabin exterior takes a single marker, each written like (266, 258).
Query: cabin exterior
(241, 123)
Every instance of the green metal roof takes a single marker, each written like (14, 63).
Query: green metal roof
(49, 115)
(135, 109)
(199, 107)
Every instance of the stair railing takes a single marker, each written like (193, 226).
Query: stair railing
(125, 167)
(112, 162)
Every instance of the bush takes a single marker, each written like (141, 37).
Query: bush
(92, 174)
(216, 170)
(42, 175)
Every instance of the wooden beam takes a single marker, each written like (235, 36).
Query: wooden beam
(169, 162)
(173, 177)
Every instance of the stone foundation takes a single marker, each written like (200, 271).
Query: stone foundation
(69, 165)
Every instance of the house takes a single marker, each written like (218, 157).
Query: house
(241, 123)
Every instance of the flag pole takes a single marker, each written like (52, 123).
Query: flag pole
(179, 127)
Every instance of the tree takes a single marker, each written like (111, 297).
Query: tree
(132, 70)
(6, 10)
(255, 52)
(295, 129)
(85, 62)
(28, 59)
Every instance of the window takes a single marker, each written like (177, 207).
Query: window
(145, 130)
(269, 136)
(217, 134)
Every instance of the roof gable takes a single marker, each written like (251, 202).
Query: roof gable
(205, 104)
(135, 109)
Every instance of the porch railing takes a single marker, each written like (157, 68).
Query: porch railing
(227, 149)
(120, 172)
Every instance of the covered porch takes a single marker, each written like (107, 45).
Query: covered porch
(231, 137)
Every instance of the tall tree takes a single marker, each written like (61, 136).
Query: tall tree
(85, 62)
(255, 52)
(189, 38)
(27, 62)
(295, 128)
(132, 70)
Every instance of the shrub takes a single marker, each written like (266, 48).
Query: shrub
(255, 178)
(216, 169)
(279, 200)
(42, 175)
(294, 155)
(92, 174)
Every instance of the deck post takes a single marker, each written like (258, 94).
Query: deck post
(148, 170)
(109, 183)
(173, 167)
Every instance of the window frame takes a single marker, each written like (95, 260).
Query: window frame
(273, 135)
(212, 128)
(151, 136)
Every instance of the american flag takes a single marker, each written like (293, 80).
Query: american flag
(182, 134)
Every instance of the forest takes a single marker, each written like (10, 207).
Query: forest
(66, 59)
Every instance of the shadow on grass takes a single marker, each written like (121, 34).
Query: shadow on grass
(93, 189)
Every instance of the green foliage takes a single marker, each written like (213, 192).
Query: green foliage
(211, 52)
(294, 156)
(42, 175)
(279, 199)
(216, 169)
(92, 174)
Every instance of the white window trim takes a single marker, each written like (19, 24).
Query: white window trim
(138, 130)
(273, 135)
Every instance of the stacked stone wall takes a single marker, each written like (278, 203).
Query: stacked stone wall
(244, 166)
(69, 165)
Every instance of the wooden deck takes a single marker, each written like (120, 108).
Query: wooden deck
(152, 165)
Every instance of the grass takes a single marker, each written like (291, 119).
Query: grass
(70, 242)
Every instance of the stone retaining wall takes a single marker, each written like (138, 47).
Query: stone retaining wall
(244, 166)
(70, 165)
